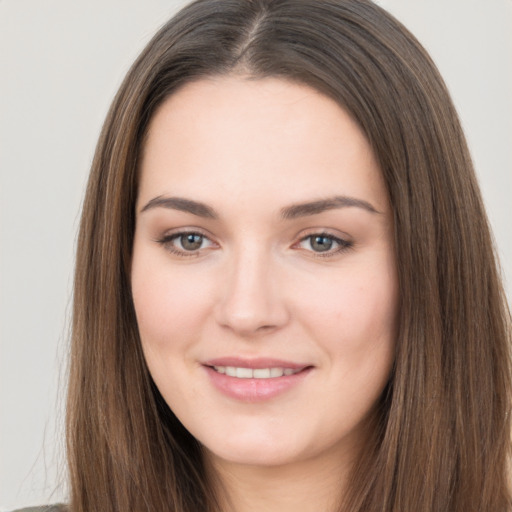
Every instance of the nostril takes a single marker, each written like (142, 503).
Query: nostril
(266, 328)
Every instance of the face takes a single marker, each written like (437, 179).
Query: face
(263, 271)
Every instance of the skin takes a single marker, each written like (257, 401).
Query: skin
(258, 286)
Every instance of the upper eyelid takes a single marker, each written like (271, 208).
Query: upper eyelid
(171, 235)
(337, 239)
(343, 241)
(329, 232)
(167, 241)
(185, 231)
(299, 237)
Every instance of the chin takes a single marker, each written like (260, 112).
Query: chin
(254, 457)
(255, 452)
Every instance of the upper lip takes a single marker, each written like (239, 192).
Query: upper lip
(260, 362)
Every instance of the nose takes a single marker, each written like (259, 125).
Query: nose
(252, 300)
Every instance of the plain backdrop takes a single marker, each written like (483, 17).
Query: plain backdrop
(60, 65)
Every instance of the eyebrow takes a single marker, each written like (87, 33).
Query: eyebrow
(322, 205)
(289, 212)
(181, 204)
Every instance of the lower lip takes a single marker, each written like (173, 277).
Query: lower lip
(255, 390)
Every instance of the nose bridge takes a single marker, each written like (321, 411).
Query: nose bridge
(252, 300)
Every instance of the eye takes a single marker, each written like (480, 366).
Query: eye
(186, 243)
(324, 243)
(190, 241)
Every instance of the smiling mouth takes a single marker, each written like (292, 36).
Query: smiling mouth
(256, 373)
(255, 380)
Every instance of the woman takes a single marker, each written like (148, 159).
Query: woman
(286, 296)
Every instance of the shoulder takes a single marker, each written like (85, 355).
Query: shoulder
(46, 508)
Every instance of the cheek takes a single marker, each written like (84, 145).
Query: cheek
(170, 311)
(354, 305)
(167, 304)
(362, 345)
(353, 318)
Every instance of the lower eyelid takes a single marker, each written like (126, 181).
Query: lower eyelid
(168, 241)
(342, 244)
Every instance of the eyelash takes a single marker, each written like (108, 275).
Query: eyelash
(342, 245)
(167, 243)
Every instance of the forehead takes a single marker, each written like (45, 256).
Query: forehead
(233, 135)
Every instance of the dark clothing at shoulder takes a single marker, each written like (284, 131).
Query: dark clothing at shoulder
(47, 508)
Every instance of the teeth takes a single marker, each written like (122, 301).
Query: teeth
(257, 373)
(277, 372)
(243, 373)
(261, 373)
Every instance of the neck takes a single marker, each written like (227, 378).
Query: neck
(306, 486)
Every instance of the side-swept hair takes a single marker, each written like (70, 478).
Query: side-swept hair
(441, 439)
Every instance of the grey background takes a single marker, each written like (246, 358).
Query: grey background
(60, 65)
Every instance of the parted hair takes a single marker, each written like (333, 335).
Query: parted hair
(440, 439)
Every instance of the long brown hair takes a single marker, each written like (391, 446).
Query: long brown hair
(441, 439)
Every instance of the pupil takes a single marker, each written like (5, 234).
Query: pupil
(321, 243)
(191, 242)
